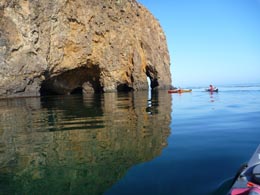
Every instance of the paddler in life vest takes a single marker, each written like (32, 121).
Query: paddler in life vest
(211, 88)
(179, 90)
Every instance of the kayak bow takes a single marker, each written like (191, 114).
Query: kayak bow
(248, 180)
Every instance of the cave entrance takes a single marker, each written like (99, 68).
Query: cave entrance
(77, 81)
(124, 88)
(78, 90)
(151, 74)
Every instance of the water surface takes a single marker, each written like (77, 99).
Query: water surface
(78, 144)
(133, 143)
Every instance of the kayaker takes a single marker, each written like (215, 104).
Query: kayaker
(179, 90)
(211, 88)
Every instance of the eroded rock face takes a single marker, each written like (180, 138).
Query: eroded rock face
(59, 46)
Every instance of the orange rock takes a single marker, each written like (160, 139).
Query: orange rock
(44, 43)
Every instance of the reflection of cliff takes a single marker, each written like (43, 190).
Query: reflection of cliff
(40, 154)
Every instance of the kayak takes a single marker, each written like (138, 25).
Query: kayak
(214, 90)
(179, 90)
(247, 180)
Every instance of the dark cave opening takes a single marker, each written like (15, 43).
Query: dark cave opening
(78, 90)
(151, 74)
(124, 88)
(154, 83)
(76, 81)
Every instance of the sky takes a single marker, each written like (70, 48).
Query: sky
(210, 41)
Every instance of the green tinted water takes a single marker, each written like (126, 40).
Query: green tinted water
(78, 145)
(132, 143)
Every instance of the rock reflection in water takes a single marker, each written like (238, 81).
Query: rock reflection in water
(74, 144)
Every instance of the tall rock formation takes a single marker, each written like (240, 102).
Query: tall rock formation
(61, 46)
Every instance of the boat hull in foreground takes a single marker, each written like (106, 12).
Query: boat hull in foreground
(247, 180)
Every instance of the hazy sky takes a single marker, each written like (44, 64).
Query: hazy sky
(211, 41)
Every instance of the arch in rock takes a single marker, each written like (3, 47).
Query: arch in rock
(152, 73)
(78, 80)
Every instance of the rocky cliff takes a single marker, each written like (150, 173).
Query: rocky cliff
(64, 46)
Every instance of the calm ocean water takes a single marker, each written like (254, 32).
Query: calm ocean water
(132, 143)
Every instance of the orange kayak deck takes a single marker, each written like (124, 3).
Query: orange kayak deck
(179, 90)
